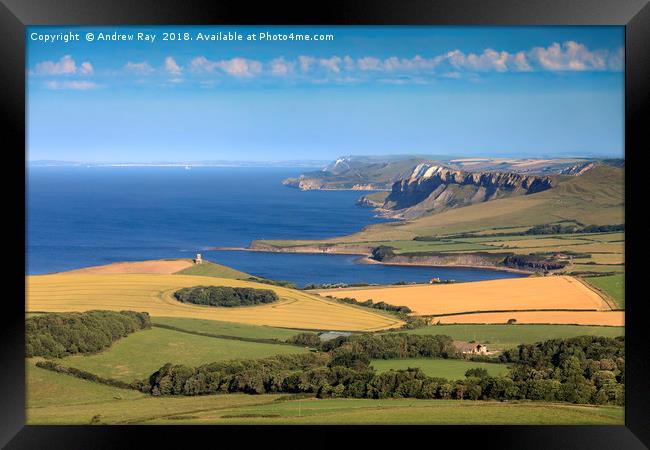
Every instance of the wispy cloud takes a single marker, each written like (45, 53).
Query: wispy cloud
(236, 67)
(141, 68)
(71, 85)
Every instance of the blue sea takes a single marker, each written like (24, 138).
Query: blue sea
(84, 216)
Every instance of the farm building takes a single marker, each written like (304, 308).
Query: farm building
(471, 348)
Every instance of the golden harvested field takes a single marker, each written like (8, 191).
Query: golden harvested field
(607, 318)
(555, 292)
(154, 266)
(153, 293)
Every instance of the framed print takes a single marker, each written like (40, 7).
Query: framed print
(365, 215)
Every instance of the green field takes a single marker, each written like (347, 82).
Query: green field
(596, 268)
(233, 329)
(451, 369)
(612, 285)
(210, 269)
(500, 337)
(54, 398)
(140, 354)
(403, 411)
(46, 388)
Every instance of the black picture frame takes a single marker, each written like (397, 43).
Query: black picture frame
(633, 14)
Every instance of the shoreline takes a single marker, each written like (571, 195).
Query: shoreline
(364, 258)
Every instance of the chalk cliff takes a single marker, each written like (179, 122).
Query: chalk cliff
(433, 188)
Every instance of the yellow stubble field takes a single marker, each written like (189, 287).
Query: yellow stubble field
(604, 318)
(514, 294)
(153, 293)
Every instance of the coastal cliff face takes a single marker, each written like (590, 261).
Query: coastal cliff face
(509, 261)
(433, 188)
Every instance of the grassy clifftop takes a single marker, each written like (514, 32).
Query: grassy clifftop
(210, 269)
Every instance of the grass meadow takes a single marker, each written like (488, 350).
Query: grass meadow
(612, 285)
(218, 328)
(451, 369)
(140, 354)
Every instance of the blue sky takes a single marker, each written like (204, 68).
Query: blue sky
(475, 91)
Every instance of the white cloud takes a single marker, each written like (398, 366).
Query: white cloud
(73, 85)
(64, 66)
(489, 60)
(331, 64)
(240, 67)
(521, 63)
(305, 62)
(572, 56)
(279, 66)
(171, 66)
(85, 68)
(141, 68)
(369, 63)
(202, 64)
(616, 60)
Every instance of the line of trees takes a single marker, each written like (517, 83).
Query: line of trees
(225, 296)
(62, 334)
(577, 370)
(370, 304)
(394, 345)
(570, 229)
(282, 283)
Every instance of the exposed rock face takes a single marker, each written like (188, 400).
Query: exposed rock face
(364, 200)
(434, 188)
(578, 169)
(374, 200)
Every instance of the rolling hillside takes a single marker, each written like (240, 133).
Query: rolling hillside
(153, 293)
